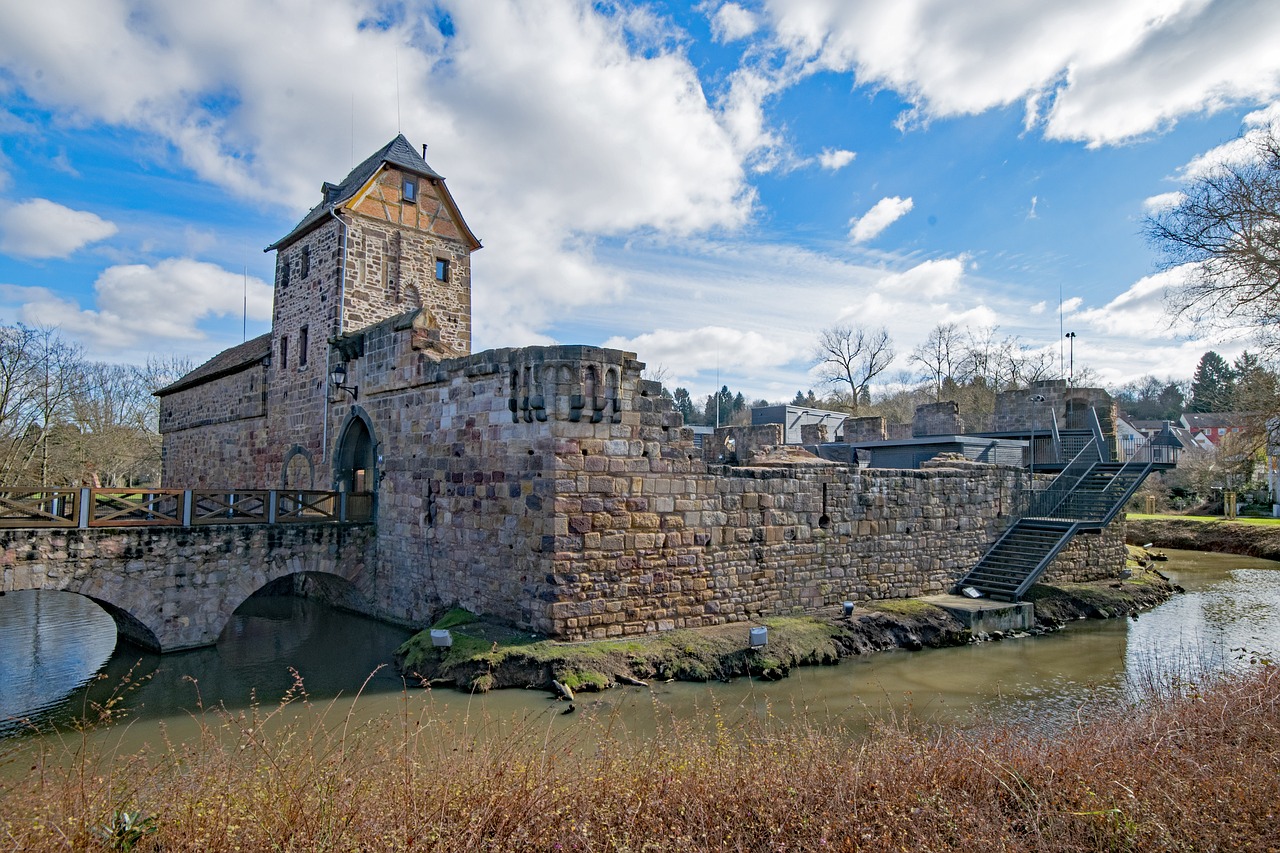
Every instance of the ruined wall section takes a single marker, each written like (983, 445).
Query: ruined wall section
(392, 260)
(655, 542)
(215, 432)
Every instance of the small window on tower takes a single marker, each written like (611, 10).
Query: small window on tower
(306, 261)
(284, 352)
(302, 347)
(411, 190)
(442, 269)
(284, 270)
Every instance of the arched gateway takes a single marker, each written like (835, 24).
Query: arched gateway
(355, 459)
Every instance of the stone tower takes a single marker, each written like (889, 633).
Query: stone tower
(386, 240)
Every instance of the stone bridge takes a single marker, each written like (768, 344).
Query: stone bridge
(171, 585)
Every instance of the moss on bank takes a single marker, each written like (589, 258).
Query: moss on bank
(486, 655)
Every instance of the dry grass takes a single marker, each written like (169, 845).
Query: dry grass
(1196, 770)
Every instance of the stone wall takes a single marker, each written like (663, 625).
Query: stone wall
(554, 488)
(215, 433)
(863, 429)
(171, 589)
(687, 548)
(937, 419)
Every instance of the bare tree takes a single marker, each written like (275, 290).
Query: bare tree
(850, 357)
(1225, 233)
(940, 356)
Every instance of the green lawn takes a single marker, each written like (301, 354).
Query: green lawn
(1262, 522)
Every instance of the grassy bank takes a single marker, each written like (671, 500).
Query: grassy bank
(1204, 519)
(1196, 769)
(1253, 537)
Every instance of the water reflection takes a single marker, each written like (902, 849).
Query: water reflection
(1231, 602)
(51, 643)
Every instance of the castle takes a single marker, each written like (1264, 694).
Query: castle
(552, 487)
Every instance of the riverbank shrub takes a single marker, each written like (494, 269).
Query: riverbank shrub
(1196, 768)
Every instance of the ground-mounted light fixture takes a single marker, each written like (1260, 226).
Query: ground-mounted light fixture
(759, 637)
(441, 638)
(848, 608)
(338, 377)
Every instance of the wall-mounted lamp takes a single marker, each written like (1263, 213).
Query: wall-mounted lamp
(338, 376)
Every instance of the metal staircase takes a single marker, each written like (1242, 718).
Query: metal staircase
(1088, 493)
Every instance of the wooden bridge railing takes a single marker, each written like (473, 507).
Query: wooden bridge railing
(37, 507)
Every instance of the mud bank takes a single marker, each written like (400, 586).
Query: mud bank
(486, 656)
(1226, 537)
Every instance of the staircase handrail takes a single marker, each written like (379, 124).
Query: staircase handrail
(1141, 460)
(1095, 426)
(1042, 502)
(1057, 438)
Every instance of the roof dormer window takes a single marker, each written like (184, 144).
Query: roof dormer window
(410, 192)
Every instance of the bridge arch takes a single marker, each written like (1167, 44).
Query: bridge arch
(128, 612)
(176, 588)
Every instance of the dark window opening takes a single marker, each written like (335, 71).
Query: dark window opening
(284, 352)
(306, 261)
(284, 270)
(411, 190)
(442, 269)
(302, 346)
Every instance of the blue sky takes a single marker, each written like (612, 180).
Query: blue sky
(707, 184)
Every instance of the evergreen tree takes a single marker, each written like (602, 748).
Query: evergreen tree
(684, 405)
(1213, 385)
(808, 400)
(1170, 403)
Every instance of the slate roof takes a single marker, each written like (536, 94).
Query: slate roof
(398, 152)
(223, 364)
(1212, 420)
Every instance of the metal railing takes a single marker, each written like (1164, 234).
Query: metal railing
(83, 508)
(1040, 503)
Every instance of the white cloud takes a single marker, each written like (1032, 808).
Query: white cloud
(1238, 151)
(707, 346)
(1039, 308)
(931, 279)
(732, 22)
(1139, 311)
(882, 214)
(155, 304)
(1092, 70)
(1162, 202)
(835, 159)
(39, 228)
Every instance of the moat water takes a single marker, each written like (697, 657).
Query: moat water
(58, 659)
